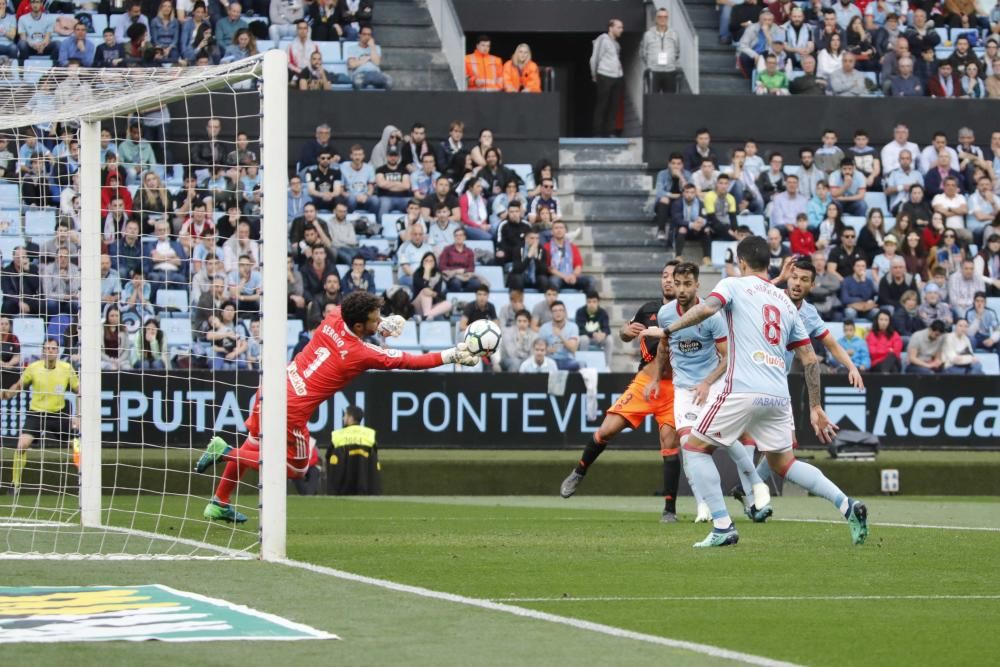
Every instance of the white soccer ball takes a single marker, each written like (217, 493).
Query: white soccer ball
(482, 337)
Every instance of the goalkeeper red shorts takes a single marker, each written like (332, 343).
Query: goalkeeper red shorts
(634, 408)
(296, 439)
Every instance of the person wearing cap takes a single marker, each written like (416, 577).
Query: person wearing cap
(482, 70)
(883, 261)
(392, 183)
(895, 283)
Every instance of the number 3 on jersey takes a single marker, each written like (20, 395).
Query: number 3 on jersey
(772, 324)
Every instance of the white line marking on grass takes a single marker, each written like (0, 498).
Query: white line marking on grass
(751, 598)
(984, 529)
(589, 626)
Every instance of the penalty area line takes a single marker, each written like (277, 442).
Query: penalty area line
(882, 524)
(523, 612)
(751, 598)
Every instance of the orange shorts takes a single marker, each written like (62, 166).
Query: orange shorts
(634, 408)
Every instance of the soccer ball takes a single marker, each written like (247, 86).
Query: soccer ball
(482, 338)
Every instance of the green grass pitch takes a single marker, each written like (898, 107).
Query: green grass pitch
(793, 590)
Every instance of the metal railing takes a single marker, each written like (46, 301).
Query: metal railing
(449, 30)
(680, 22)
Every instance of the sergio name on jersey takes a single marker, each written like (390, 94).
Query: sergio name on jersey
(692, 350)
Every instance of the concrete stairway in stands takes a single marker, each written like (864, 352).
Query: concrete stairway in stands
(605, 190)
(411, 49)
(718, 73)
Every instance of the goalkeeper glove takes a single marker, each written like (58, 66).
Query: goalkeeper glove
(459, 355)
(392, 326)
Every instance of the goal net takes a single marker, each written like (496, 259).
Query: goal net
(143, 246)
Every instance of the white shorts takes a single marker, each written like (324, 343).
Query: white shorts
(686, 412)
(767, 419)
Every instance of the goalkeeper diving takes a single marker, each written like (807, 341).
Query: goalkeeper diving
(336, 355)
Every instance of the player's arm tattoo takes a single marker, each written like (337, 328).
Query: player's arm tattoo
(812, 372)
(696, 315)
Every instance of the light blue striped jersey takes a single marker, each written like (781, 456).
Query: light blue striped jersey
(815, 327)
(692, 350)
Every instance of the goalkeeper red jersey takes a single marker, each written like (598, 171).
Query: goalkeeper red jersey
(333, 358)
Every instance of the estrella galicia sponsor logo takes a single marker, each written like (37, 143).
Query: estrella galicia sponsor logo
(846, 403)
(772, 401)
(689, 345)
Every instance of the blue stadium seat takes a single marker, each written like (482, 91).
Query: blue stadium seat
(574, 301)
(408, 340)
(719, 249)
(7, 246)
(480, 245)
(10, 195)
(172, 302)
(389, 225)
(39, 222)
(494, 274)
(383, 275)
(836, 329)
(176, 332)
(791, 169)
(990, 362)
(754, 222)
(10, 223)
(972, 33)
(593, 359)
(499, 299)
(856, 222)
(292, 330)
(382, 245)
(945, 37)
(525, 172)
(877, 200)
(336, 69)
(35, 68)
(331, 52)
(350, 49)
(435, 335)
(993, 302)
(532, 299)
(264, 45)
(890, 223)
(30, 331)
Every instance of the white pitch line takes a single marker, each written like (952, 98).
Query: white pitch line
(882, 524)
(750, 598)
(523, 612)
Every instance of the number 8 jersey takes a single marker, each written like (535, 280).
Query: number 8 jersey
(762, 324)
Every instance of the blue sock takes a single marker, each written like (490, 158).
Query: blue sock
(705, 477)
(744, 466)
(764, 470)
(815, 482)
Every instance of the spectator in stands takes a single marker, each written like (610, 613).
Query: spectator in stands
(670, 183)
(517, 343)
(744, 185)
(856, 347)
(945, 83)
(77, 47)
(882, 262)
(475, 212)
(197, 227)
(779, 253)
(343, 237)
(153, 200)
(530, 266)
(788, 205)
(565, 261)
(126, 251)
(65, 239)
(229, 346)
(458, 265)
(900, 142)
(953, 207)
(688, 219)
(697, 152)
(826, 287)
(482, 70)
(149, 350)
(136, 300)
(885, 345)
(546, 199)
(720, 209)
(757, 39)
(898, 181)
(310, 220)
(164, 259)
(961, 13)
(109, 53)
(934, 308)
(415, 148)
(299, 49)
(963, 286)
(594, 326)
(858, 293)
(8, 33)
(771, 81)
(315, 272)
(61, 285)
(542, 311)
(116, 345)
(915, 255)
(324, 182)
(800, 239)
(895, 284)
(297, 198)
(210, 152)
(313, 148)
(34, 31)
(244, 45)
(606, 71)
(511, 233)
(442, 196)
(246, 286)
(743, 15)
(21, 286)
(538, 362)
(829, 157)
(906, 318)
(330, 294)
(562, 338)
(993, 80)
(441, 231)
(957, 352)
(818, 210)
(984, 325)
(509, 310)
(921, 32)
(358, 278)
(520, 73)
(972, 84)
(239, 244)
(810, 82)
(798, 37)
(704, 179)
(364, 67)
(478, 309)
(987, 263)
(284, 15)
(197, 36)
(845, 11)
(866, 161)
(325, 18)
(358, 177)
(409, 254)
(165, 33)
(206, 269)
(392, 184)
(660, 52)
(429, 287)
(963, 55)
(848, 188)
(772, 181)
(847, 81)
(871, 236)
(422, 181)
(830, 59)
(923, 352)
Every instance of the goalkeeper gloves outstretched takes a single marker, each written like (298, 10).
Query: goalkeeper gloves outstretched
(392, 326)
(459, 355)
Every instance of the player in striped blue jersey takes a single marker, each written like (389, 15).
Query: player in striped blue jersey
(755, 396)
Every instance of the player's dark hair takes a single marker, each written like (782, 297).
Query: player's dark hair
(357, 306)
(806, 265)
(674, 262)
(687, 269)
(356, 414)
(754, 251)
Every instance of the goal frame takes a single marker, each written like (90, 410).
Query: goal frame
(273, 68)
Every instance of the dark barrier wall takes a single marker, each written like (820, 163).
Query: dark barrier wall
(548, 16)
(516, 412)
(526, 127)
(789, 123)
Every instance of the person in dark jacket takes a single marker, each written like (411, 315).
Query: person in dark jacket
(905, 319)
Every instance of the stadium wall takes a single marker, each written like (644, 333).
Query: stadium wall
(789, 123)
(526, 127)
(548, 16)
(473, 411)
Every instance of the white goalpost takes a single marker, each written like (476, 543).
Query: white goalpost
(176, 179)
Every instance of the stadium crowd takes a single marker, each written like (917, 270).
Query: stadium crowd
(904, 241)
(865, 47)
